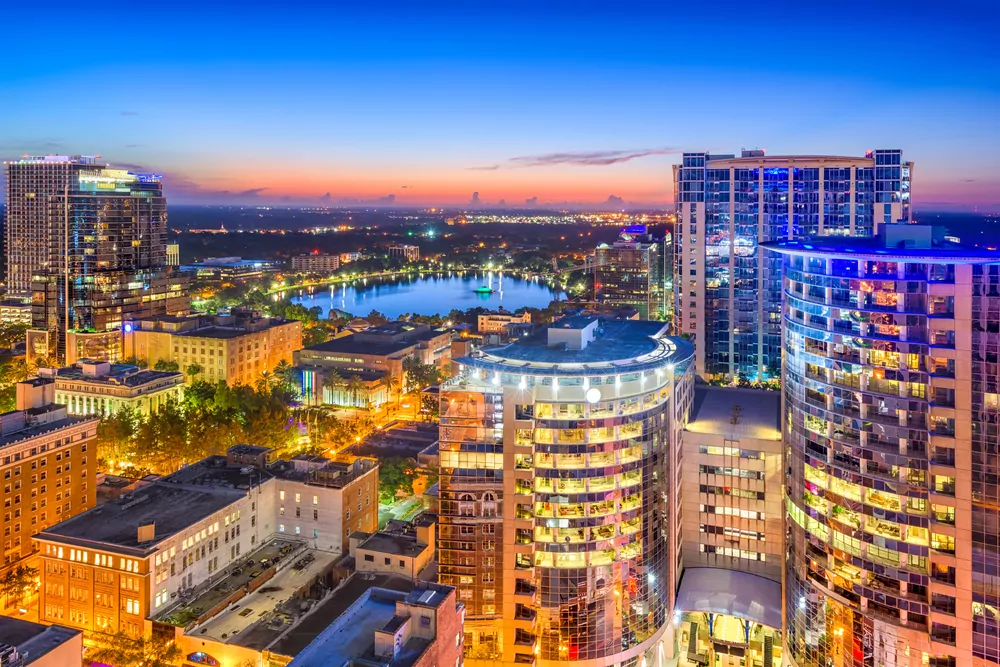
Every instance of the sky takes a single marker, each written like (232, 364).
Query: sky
(426, 102)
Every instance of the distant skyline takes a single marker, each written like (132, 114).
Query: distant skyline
(552, 103)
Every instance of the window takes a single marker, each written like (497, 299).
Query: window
(369, 558)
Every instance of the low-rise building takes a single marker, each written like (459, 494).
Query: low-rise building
(235, 348)
(27, 644)
(419, 628)
(145, 554)
(316, 263)
(407, 552)
(407, 253)
(91, 387)
(230, 269)
(347, 257)
(369, 356)
(48, 459)
(495, 321)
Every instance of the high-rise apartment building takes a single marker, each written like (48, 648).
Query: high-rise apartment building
(88, 243)
(559, 493)
(727, 287)
(630, 272)
(892, 403)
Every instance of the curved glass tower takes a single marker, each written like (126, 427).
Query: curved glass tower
(558, 490)
(891, 393)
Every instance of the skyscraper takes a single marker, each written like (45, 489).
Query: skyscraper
(88, 243)
(630, 272)
(727, 288)
(559, 493)
(892, 403)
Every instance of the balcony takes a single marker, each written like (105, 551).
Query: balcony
(524, 591)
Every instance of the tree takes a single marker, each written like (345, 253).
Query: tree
(391, 385)
(356, 388)
(394, 475)
(122, 650)
(16, 582)
(332, 381)
(116, 436)
(286, 373)
(11, 333)
(194, 370)
(164, 365)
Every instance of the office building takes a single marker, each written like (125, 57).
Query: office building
(727, 288)
(892, 399)
(559, 493)
(88, 244)
(174, 549)
(100, 388)
(218, 270)
(27, 644)
(388, 628)
(630, 272)
(496, 321)
(316, 263)
(407, 253)
(235, 348)
(49, 466)
(369, 355)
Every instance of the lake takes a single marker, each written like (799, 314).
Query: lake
(428, 294)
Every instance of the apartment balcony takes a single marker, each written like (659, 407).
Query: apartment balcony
(524, 591)
(524, 618)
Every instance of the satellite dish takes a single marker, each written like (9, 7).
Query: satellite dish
(593, 395)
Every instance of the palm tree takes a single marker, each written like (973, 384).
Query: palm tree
(332, 381)
(265, 382)
(391, 384)
(357, 387)
(285, 372)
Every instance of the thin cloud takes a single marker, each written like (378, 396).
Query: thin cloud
(128, 113)
(587, 158)
(576, 158)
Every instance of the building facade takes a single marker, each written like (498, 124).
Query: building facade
(49, 465)
(349, 370)
(727, 287)
(891, 388)
(407, 253)
(630, 272)
(89, 244)
(316, 263)
(114, 568)
(559, 492)
(100, 388)
(496, 321)
(235, 348)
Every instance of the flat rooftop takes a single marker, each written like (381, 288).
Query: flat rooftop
(43, 428)
(260, 618)
(362, 343)
(713, 412)
(173, 503)
(844, 247)
(120, 375)
(628, 345)
(352, 634)
(300, 639)
(34, 640)
(394, 545)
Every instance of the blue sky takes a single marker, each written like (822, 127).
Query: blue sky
(567, 102)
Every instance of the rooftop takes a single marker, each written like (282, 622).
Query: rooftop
(125, 375)
(714, 407)
(383, 340)
(394, 545)
(33, 640)
(618, 345)
(172, 503)
(37, 422)
(352, 634)
(924, 243)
